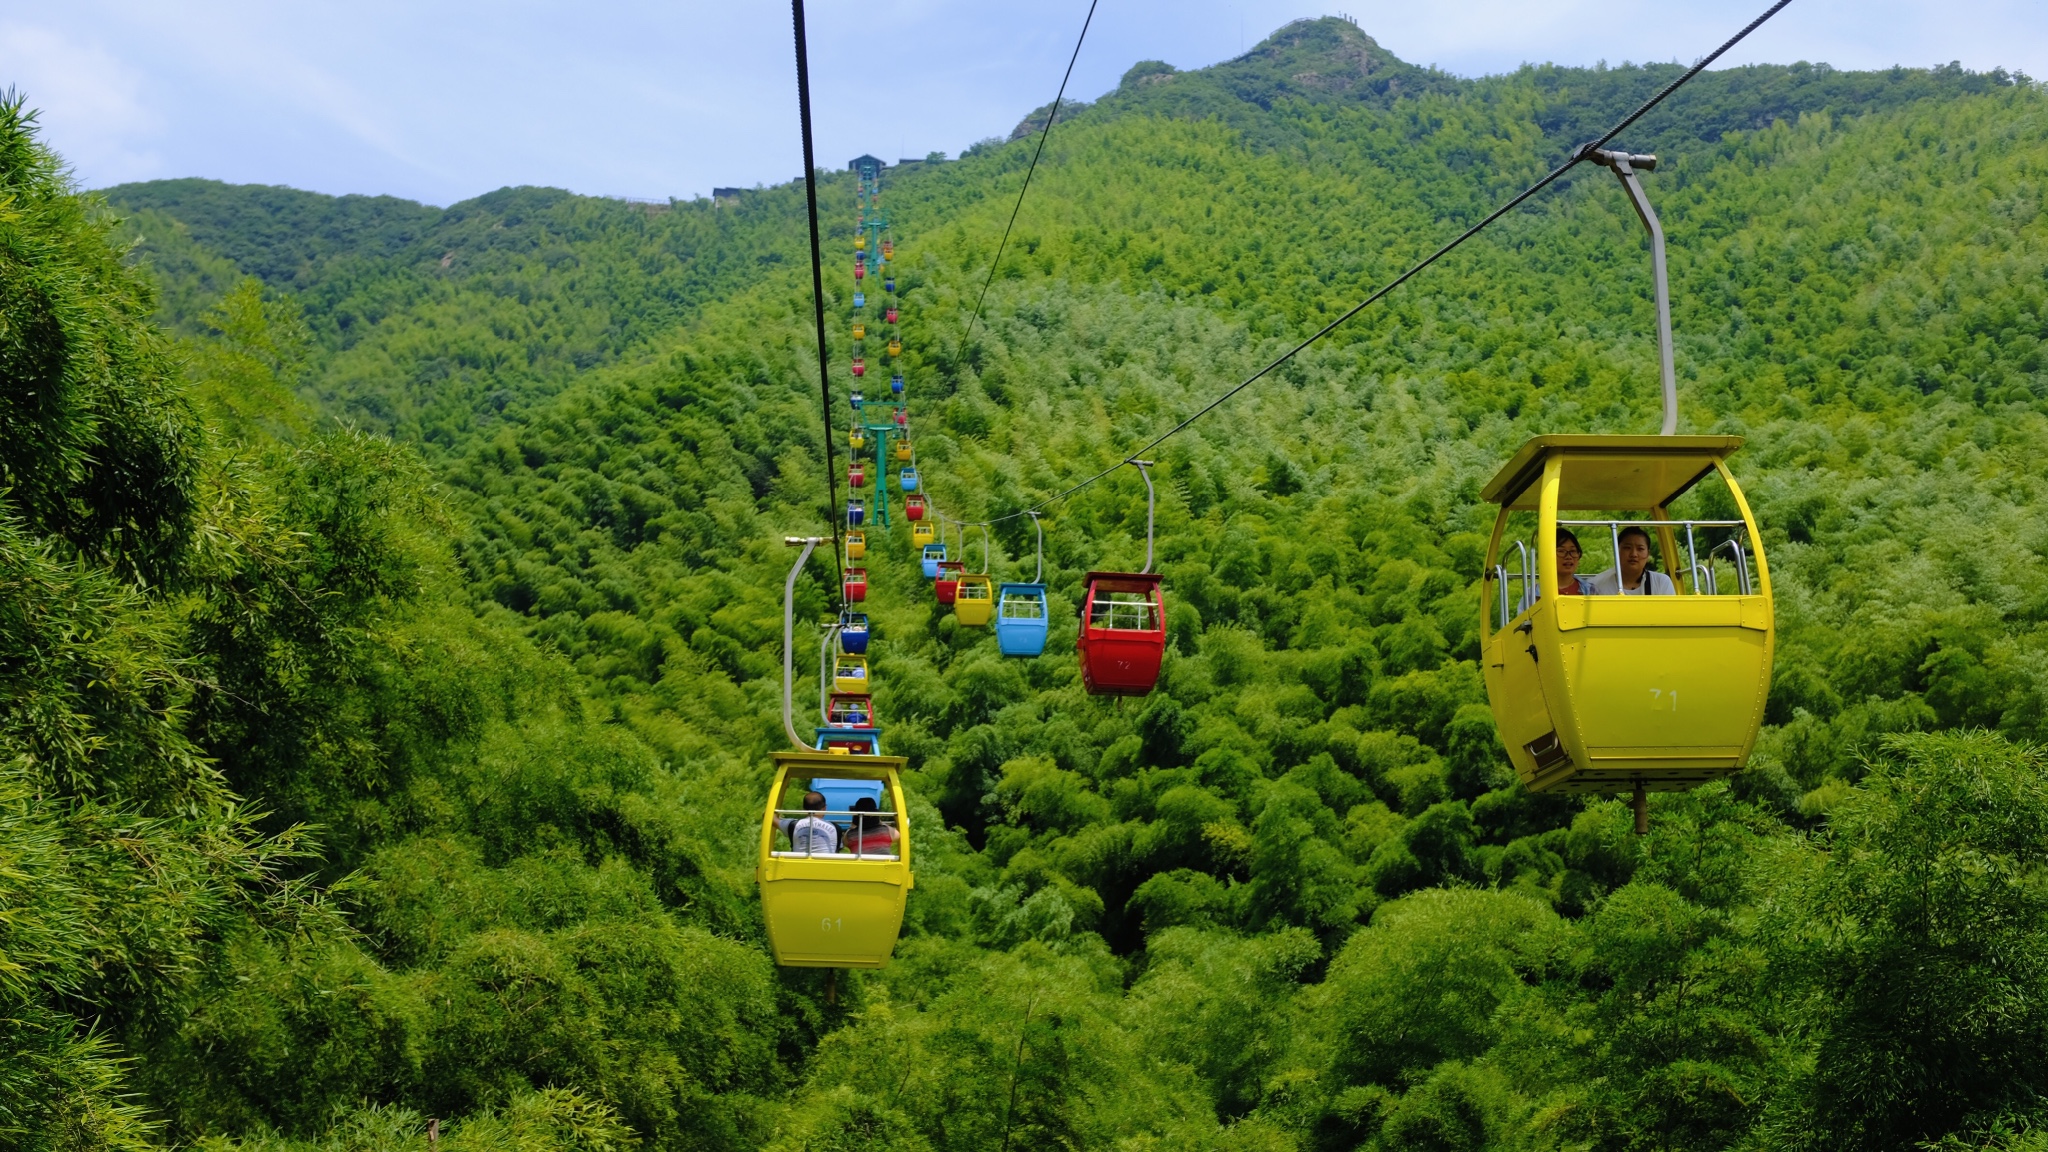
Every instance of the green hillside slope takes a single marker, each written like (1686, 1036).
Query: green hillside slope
(517, 667)
(428, 321)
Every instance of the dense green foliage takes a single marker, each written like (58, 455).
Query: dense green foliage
(429, 321)
(347, 781)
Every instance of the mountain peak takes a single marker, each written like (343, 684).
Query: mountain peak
(1320, 59)
(1326, 59)
(1332, 37)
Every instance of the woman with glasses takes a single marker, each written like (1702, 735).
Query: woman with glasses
(1568, 555)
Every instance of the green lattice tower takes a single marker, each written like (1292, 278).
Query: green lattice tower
(875, 223)
(881, 434)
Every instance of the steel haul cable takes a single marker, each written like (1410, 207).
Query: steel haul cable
(1043, 133)
(1578, 155)
(803, 99)
(1051, 117)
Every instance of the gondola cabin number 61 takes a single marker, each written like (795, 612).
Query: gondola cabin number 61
(834, 878)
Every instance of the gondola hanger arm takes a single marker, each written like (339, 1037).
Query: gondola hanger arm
(1144, 468)
(1624, 165)
(809, 544)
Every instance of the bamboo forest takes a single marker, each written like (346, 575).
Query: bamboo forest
(392, 625)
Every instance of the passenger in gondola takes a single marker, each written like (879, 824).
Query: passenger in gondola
(1568, 556)
(812, 833)
(1632, 574)
(870, 836)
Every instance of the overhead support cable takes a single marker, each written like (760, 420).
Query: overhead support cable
(803, 99)
(1579, 155)
(1039, 151)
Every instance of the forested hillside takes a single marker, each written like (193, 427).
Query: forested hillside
(392, 602)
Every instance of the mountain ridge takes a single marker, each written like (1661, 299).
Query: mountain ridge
(464, 260)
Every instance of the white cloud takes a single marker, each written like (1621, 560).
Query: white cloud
(285, 66)
(89, 100)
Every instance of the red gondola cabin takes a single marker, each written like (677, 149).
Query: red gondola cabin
(913, 506)
(1123, 633)
(850, 710)
(947, 586)
(856, 584)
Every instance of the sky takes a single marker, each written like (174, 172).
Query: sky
(442, 100)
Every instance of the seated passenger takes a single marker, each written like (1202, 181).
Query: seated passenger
(870, 836)
(813, 834)
(1632, 575)
(1568, 554)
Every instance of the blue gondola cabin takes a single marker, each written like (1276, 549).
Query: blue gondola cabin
(1021, 619)
(853, 633)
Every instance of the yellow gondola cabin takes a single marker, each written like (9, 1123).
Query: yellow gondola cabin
(834, 899)
(974, 600)
(850, 673)
(1605, 693)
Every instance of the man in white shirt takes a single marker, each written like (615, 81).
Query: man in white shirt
(813, 834)
(1631, 575)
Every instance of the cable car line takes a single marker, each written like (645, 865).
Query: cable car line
(803, 99)
(1025, 635)
(1043, 133)
(827, 906)
(1579, 155)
